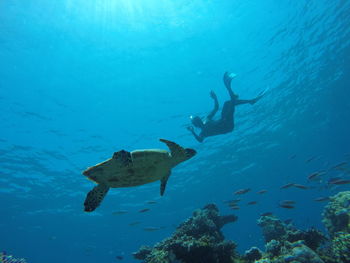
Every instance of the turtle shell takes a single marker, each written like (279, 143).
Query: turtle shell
(146, 166)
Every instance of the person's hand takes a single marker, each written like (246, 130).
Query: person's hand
(213, 95)
(190, 128)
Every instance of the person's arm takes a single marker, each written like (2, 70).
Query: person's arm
(198, 138)
(216, 105)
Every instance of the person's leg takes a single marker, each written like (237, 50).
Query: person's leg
(227, 116)
(228, 110)
(227, 81)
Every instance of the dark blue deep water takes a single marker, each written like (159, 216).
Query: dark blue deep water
(82, 79)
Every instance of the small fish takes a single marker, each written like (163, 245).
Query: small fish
(286, 206)
(120, 212)
(300, 186)
(151, 202)
(232, 204)
(287, 186)
(242, 191)
(331, 180)
(313, 176)
(262, 191)
(287, 202)
(134, 223)
(339, 182)
(144, 210)
(266, 214)
(310, 159)
(339, 166)
(252, 203)
(321, 199)
(234, 207)
(119, 257)
(232, 201)
(292, 156)
(151, 229)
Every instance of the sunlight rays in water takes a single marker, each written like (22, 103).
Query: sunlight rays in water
(136, 14)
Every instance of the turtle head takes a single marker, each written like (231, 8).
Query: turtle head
(189, 153)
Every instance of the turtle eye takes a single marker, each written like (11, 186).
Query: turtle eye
(190, 152)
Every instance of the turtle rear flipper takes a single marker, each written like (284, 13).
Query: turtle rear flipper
(95, 197)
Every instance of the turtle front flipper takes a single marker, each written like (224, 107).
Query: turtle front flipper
(95, 197)
(177, 152)
(163, 182)
(175, 149)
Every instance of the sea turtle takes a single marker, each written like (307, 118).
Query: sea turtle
(126, 169)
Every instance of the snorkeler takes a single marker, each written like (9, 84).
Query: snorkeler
(225, 124)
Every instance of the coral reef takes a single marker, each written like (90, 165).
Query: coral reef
(336, 215)
(199, 239)
(341, 247)
(286, 243)
(274, 229)
(273, 248)
(296, 252)
(4, 258)
(252, 254)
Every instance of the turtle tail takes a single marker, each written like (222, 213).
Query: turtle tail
(95, 197)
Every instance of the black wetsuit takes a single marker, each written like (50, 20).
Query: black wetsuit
(225, 124)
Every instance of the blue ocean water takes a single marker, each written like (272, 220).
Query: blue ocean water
(80, 80)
